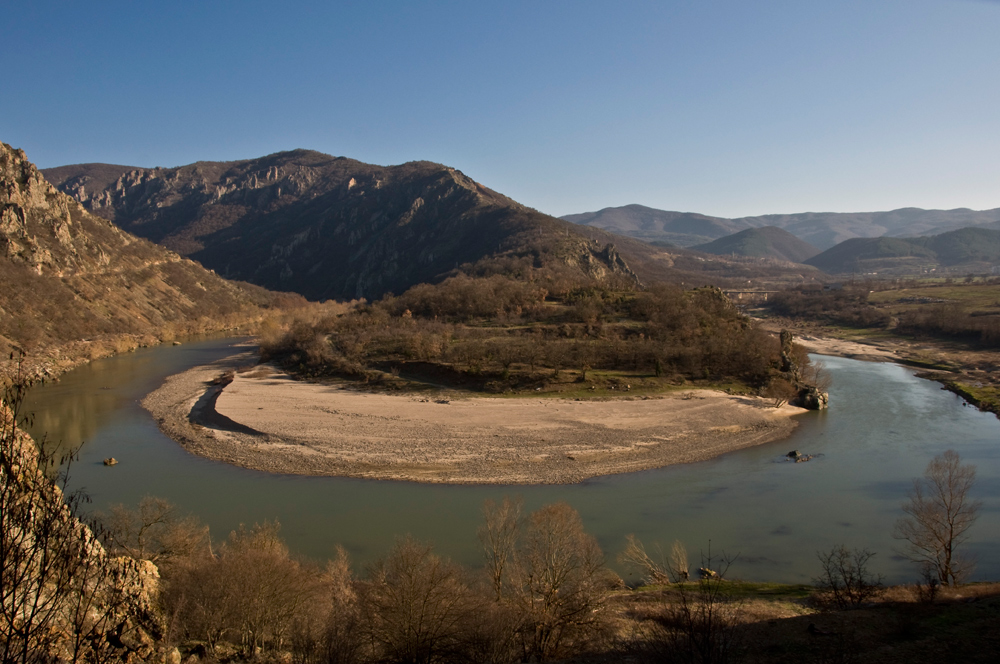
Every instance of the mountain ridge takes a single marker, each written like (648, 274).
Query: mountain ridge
(975, 248)
(70, 276)
(821, 229)
(334, 227)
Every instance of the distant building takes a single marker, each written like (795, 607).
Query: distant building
(996, 269)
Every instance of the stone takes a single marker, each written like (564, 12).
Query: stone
(811, 398)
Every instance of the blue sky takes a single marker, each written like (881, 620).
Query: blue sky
(723, 107)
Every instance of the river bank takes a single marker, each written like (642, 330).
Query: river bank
(265, 420)
(973, 374)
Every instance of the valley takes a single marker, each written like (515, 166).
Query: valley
(459, 346)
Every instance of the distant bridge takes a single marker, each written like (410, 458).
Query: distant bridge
(748, 296)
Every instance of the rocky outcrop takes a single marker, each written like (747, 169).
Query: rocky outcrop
(805, 396)
(65, 597)
(812, 398)
(70, 276)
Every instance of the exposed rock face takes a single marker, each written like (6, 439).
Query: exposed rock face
(65, 596)
(331, 227)
(811, 398)
(69, 275)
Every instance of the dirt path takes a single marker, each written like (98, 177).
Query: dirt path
(267, 421)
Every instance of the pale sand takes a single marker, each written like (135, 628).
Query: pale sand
(850, 349)
(280, 425)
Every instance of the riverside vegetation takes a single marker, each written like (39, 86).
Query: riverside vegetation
(499, 335)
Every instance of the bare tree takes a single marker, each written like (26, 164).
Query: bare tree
(558, 581)
(939, 515)
(331, 630)
(547, 575)
(153, 532)
(414, 605)
(251, 592)
(499, 536)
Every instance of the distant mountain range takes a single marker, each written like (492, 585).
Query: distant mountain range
(972, 248)
(821, 229)
(69, 276)
(332, 227)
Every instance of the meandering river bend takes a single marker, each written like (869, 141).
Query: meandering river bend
(883, 427)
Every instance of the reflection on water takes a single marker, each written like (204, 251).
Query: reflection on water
(882, 429)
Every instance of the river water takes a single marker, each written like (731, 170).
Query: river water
(883, 427)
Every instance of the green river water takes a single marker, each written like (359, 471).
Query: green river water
(882, 428)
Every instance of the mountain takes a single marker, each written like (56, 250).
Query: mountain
(70, 276)
(822, 229)
(966, 245)
(969, 249)
(682, 229)
(766, 242)
(333, 227)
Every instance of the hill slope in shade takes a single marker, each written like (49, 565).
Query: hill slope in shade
(966, 245)
(766, 242)
(821, 229)
(683, 229)
(975, 249)
(68, 275)
(332, 227)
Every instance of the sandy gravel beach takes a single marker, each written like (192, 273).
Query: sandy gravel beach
(267, 421)
(848, 349)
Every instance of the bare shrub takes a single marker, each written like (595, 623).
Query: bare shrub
(634, 555)
(846, 577)
(780, 391)
(700, 625)
(672, 568)
(153, 531)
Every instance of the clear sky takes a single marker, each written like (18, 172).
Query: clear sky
(724, 107)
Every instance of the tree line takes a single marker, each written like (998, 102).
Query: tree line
(504, 334)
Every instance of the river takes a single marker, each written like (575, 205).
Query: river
(882, 428)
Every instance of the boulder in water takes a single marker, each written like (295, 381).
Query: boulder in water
(811, 398)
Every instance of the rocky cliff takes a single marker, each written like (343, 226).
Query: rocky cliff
(70, 276)
(331, 227)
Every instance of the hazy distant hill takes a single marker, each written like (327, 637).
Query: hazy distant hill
(974, 248)
(821, 229)
(332, 227)
(766, 242)
(68, 275)
(683, 229)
